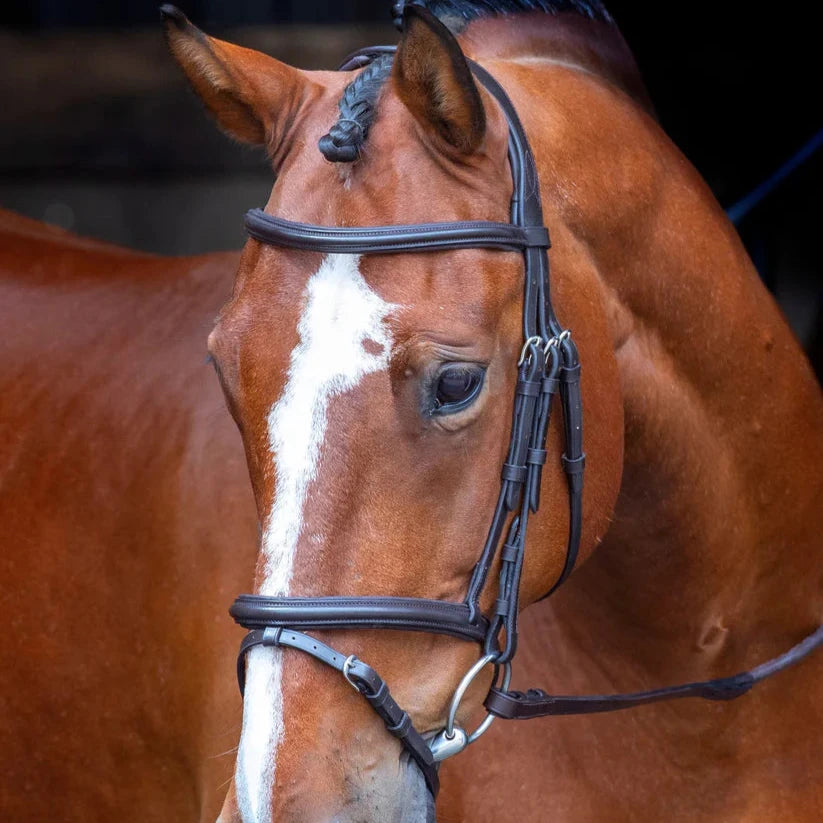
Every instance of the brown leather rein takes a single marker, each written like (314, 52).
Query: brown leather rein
(548, 365)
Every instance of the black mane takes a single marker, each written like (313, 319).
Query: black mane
(450, 11)
(358, 105)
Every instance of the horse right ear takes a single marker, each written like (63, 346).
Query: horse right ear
(435, 83)
(248, 92)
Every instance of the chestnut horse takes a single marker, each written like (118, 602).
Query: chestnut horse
(374, 393)
(126, 526)
(373, 396)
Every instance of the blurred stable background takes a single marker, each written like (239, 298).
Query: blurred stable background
(99, 133)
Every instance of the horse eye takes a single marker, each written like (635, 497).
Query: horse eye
(457, 387)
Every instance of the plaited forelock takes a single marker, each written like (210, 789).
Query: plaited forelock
(358, 107)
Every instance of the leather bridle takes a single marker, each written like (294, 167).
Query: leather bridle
(548, 365)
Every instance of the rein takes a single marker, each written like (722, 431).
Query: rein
(548, 365)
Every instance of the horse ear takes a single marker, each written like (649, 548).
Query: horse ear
(434, 81)
(245, 90)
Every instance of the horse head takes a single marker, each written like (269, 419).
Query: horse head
(374, 396)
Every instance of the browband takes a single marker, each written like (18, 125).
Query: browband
(423, 237)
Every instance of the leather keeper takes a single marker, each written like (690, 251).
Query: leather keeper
(551, 385)
(380, 697)
(529, 388)
(537, 237)
(574, 465)
(517, 474)
(401, 729)
(509, 553)
(537, 457)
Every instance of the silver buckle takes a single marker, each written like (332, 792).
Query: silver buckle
(536, 341)
(347, 663)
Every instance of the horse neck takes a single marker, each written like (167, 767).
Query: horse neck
(589, 45)
(713, 558)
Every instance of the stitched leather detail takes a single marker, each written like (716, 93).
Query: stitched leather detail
(439, 616)
(422, 237)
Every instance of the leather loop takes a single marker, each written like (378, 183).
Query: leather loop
(529, 388)
(537, 457)
(515, 474)
(574, 466)
(509, 553)
(402, 728)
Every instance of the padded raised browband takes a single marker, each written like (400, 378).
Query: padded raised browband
(437, 616)
(409, 237)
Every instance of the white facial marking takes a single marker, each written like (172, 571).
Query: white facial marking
(341, 313)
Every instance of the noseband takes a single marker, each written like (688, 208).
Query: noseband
(548, 365)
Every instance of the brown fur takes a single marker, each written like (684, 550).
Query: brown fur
(126, 525)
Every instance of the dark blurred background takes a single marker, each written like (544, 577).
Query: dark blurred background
(99, 134)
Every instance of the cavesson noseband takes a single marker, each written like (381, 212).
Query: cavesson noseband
(548, 365)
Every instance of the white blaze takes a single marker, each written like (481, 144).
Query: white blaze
(341, 313)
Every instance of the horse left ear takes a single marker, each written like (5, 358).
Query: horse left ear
(434, 82)
(249, 93)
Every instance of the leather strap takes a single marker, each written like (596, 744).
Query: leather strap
(513, 705)
(437, 616)
(413, 237)
(362, 677)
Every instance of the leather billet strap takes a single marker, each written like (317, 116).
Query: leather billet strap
(419, 237)
(405, 613)
(362, 677)
(536, 703)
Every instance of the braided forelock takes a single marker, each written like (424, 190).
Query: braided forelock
(358, 108)
(358, 105)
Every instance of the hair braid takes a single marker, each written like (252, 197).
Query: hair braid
(358, 107)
